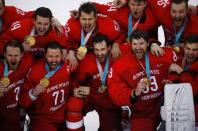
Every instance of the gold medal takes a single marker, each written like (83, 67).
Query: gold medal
(5, 81)
(102, 89)
(147, 81)
(44, 82)
(30, 40)
(176, 49)
(82, 49)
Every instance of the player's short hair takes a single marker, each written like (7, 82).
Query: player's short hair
(88, 8)
(43, 12)
(14, 44)
(181, 1)
(138, 1)
(193, 38)
(101, 37)
(53, 45)
(138, 34)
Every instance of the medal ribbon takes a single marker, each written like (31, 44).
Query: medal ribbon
(83, 38)
(103, 74)
(51, 73)
(147, 63)
(179, 33)
(5, 72)
(130, 25)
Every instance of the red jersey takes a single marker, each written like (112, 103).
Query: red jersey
(121, 15)
(124, 77)
(12, 14)
(10, 98)
(49, 105)
(112, 31)
(20, 29)
(91, 77)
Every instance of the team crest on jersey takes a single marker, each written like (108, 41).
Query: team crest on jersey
(163, 3)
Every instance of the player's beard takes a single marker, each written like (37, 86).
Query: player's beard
(53, 65)
(13, 64)
(190, 58)
(101, 58)
(178, 21)
(139, 53)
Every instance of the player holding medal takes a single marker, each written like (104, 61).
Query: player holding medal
(12, 74)
(46, 89)
(92, 73)
(139, 88)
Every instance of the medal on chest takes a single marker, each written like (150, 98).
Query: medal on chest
(103, 75)
(147, 70)
(30, 40)
(45, 80)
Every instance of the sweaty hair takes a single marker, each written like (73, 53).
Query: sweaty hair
(99, 38)
(88, 8)
(138, 1)
(43, 12)
(14, 44)
(138, 34)
(53, 45)
(192, 39)
(181, 1)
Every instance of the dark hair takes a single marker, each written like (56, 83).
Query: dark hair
(3, 2)
(14, 44)
(138, 1)
(180, 1)
(53, 45)
(138, 34)
(193, 38)
(88, 8)
(43, 12)
(99, 38)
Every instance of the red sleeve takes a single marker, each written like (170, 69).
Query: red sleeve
(24, 97)
(113, 30)
(62, 39)
(107, 9)
(186, 77)
(5, 37)
(72, 31)
(119, 92)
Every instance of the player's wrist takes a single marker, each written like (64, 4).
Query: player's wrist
(31, 95)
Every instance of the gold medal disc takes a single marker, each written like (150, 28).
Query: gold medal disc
(82, 49)
(44, 82)
(5, 81)
(102, 89)
(147, 80)
(176, 49)
(30, 40)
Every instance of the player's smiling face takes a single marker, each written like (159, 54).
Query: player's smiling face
(137, 8)
(191, 52)
(139, 47)
(13, 56)
(178, 13)
(101, 50)
(53, 57)
(87, 21)
(42, 25)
